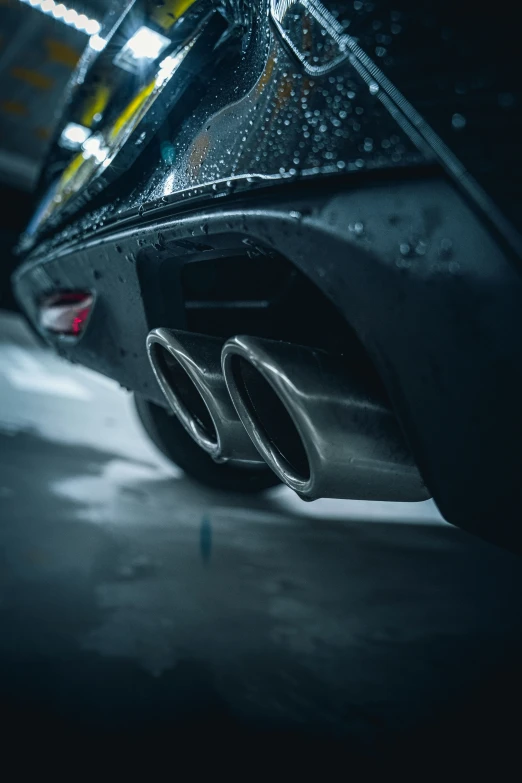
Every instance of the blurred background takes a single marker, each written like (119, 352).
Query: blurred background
(40, 45)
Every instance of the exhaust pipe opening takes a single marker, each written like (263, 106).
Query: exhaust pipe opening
(271, 419)
(324, 430)
(188, 370)
(185, 398)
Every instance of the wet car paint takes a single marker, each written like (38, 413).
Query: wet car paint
(433, 299)
(264, 119)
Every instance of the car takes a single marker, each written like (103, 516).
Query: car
(291, 229)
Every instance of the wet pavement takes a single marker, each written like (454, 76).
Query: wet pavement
(136, 605)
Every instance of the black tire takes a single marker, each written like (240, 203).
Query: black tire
(170, 437)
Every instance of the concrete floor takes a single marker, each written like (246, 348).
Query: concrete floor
(135, 604)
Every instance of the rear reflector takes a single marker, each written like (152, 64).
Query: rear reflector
(66, 313)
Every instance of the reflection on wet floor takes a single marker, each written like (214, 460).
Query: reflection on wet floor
(132, 600)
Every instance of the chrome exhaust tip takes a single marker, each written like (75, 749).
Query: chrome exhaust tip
(188, 370)
(322, 431)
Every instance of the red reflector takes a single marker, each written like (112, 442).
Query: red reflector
(66, 313)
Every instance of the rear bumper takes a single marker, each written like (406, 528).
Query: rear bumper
(431, 291)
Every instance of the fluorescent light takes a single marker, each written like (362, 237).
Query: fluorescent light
(145, 45)
(73, 136)
(81, 22)
(167, 68)
(93, 148)
(92, 27)
(68, 16)
(59, 11)
(97, 43)
(169, 64)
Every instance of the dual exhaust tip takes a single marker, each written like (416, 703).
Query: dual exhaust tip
(188, 370)
(322, 430)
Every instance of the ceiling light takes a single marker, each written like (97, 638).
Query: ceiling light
(144, 45)
(68, 16)
(97, 43)
(59, 11)
(73, 136)
(94, 147)
(92, 27)
(81, 21)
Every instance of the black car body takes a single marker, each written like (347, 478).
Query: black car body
(342, 175)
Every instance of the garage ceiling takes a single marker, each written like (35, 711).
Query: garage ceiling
(37, 56)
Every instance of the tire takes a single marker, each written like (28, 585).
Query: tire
(170, 437)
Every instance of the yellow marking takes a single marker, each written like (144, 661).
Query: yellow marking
(82, 167)
(71, 169)
(14, 107)
(59, 52)
(42, 133)
(171, 10)
(32, 77)
(131, 109)
(95, 104)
